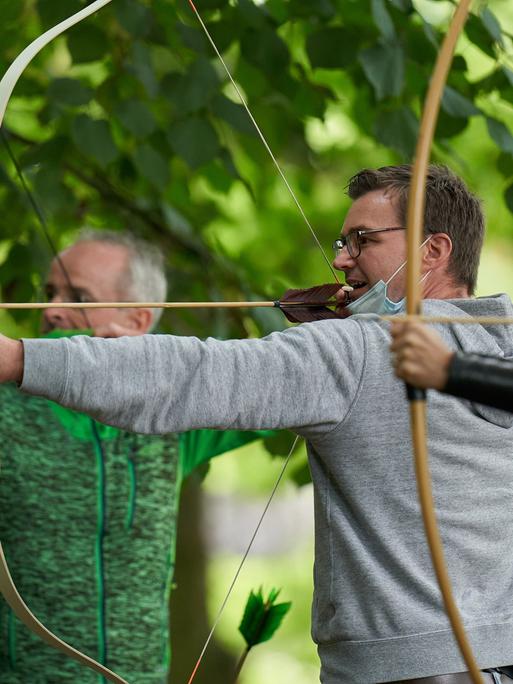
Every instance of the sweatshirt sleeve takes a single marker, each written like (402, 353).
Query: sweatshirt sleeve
(482, 379)
(303, 379)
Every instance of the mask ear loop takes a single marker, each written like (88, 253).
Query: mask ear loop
(405, 262)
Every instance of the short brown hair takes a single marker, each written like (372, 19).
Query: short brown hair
(450, 208)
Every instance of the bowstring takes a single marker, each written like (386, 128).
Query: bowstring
(264, 141)
(243, 560)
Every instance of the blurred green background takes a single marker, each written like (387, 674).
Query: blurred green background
(129, 122)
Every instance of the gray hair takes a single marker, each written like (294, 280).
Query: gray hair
(145, 280)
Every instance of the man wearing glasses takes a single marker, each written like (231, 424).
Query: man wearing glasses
(377, 612)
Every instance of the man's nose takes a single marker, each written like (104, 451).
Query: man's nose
(343, 260)
(56, 317)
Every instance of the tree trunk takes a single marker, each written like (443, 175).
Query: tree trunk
(189, 620)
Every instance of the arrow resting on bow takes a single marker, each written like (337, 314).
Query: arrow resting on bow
(299, 306)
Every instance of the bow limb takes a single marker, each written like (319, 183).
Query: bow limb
(13, 74)
(7, 586)
(417, 398)
(20, 609)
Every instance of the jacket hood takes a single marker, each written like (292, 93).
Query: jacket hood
(490, 340)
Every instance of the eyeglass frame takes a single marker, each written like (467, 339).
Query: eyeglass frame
(341, 242)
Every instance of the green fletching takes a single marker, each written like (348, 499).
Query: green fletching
(262, 617)
(59, 332)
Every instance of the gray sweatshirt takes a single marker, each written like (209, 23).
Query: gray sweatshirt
(377, 611)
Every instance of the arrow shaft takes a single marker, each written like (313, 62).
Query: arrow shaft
(163, 305)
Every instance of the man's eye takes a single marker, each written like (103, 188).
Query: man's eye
(49, 292)
(81, 297)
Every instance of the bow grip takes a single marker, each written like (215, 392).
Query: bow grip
(415, 393)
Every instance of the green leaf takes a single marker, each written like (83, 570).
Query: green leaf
(383, 20)
(11, 13)
(194, 39)
(52, 151)
(213, 4)
(508, 197)
(383, 65)
(143, 69)
(505, 164)
(508, 73)
(232, 113)
(492, 25)
(152, 165)
(136, 117)
(218, 176)
(51, 191)
(249, 14)
(403, 5)
(193, 90)
(133, 16)
(308, 9)
(265, 50)
(448, 126)
(262, 618)
(279, 444)
(332, 48)
(430, 34)
(457, 105)
(301, 475)
(87, 43)
(177, 223)
(69, 91)
(479, 35)
(278, 9)
(398, 129)
(224, 33)
(93, 138)
(195, 140)
(500, 134)
(52, 12)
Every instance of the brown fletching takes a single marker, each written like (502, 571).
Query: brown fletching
(306, 315)
(319, 294)
(310, 304)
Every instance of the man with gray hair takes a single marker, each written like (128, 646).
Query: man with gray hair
(106, 266)
(88, 512)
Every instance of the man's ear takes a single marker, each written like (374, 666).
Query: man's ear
(437, 252)
(140, 320)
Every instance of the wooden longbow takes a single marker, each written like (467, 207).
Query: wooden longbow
(417, 398)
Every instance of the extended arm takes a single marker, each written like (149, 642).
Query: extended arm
(162, 383)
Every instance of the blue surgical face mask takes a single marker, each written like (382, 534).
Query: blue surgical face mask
(376, 300)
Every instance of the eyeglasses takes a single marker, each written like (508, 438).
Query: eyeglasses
(355, 239)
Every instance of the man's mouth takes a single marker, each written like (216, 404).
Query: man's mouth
(357, 284)
(353, 291)
(359, 288)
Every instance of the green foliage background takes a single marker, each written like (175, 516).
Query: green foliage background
(129, 122)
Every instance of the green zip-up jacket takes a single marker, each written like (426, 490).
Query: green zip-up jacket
(88, 523)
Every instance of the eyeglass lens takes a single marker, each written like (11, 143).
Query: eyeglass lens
(351, 242)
